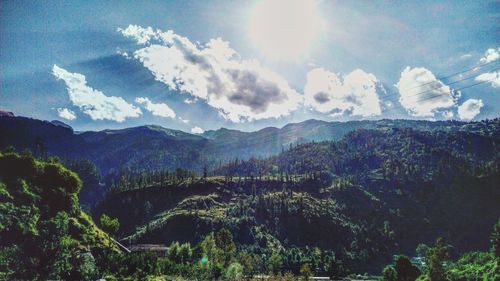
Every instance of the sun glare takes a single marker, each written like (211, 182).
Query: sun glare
(285, 29)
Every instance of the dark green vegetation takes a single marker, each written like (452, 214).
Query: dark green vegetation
(43, 233)
(340, 200)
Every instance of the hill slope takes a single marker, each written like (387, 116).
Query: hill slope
(44, 234)
(366, 197)
(106, 156)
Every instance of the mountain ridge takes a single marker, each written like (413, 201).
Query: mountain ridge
(218, 145)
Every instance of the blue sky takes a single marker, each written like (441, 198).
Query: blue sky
(247, 64)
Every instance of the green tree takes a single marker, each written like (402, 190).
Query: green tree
(173, 252)
(422, 250)
(185, 253)
(305, 271)
(109, 225)
(389, 273)
(234, 271)
(495, 239)
(205, 172)
(274, 263)
(224, 242)
(249, 262)
(437, 257)
(212, 258)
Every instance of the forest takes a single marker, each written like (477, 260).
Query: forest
(388, 203)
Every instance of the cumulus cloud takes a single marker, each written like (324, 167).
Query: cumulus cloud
(421, 93)
(239, 89)
(470, 109)
(490, 55)
(493, 77)
(197, 130)
(355, 94)
(138, 33)
(157, 109)
(448, 114)
(93, 102)
(65, 113)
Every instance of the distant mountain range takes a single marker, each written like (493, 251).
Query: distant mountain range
(154, 147)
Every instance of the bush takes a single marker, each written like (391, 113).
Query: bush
(234, 271)
(475, 266)
(389, 273)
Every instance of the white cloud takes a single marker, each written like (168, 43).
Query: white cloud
(65, 113)
(493, 77)
(239, 89)
(189, 101)
(448, 114)
(141, 35)
(469, 109)
(93, 102)
(466, 56)
(123, 53)
(157, 109)
(490, 55)
(185, 121)
(355, 94)
(421, 94)
(197, 130)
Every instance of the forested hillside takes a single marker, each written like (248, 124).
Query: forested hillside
(362, 199)
(330, 207)
(44, 234)
(104, 157)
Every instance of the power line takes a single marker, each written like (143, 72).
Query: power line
(267, 141)
(440, 86)
(436, 96)
(477, 67)
(427, 98)
(470, 69)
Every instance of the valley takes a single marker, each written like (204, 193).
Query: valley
(341, 203)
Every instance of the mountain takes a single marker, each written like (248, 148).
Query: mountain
(365, 197)
(231, 144)
(337, 197)
(145, 148)
(155, 147)
(6, 114)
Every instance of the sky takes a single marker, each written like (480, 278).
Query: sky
(246, 65)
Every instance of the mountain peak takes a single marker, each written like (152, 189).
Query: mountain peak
(4, 113)
(61, 124)
(223, 133)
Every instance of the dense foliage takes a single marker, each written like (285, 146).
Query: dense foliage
(365, 203)
(426, 178)
(435, 264)
(43, 233)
